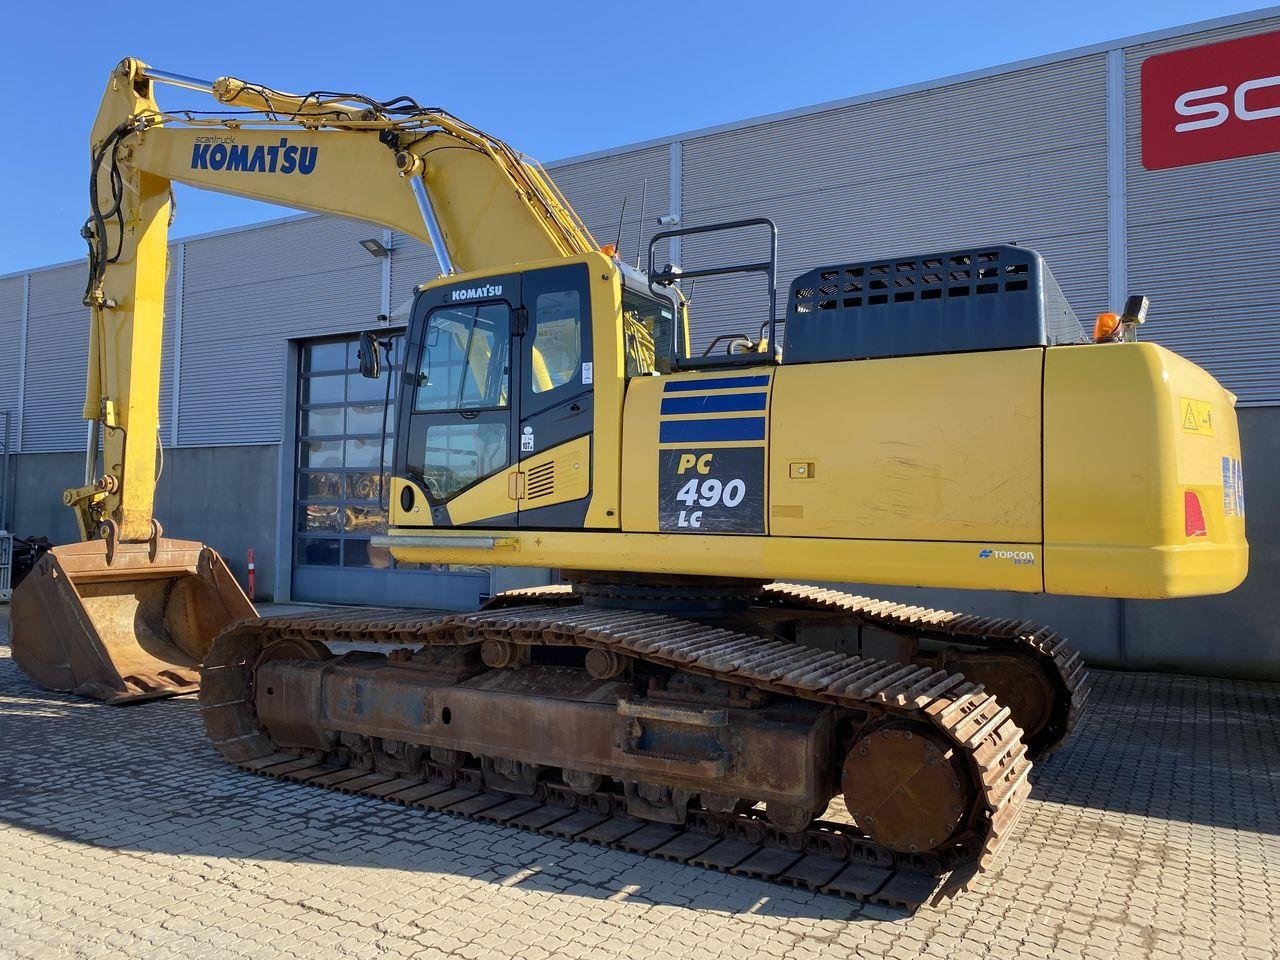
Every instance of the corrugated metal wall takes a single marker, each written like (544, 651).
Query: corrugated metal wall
(11, 306)
(412, 263)
(596, 189)
(1019, 157)
(57, 351)
(246, 293)
(1204, 243)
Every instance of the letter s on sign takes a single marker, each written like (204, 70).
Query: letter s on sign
(1242, 110)
(1186, 108)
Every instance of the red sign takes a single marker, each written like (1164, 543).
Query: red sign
(1212, 102)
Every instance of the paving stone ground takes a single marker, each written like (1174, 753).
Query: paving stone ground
(1154, 834)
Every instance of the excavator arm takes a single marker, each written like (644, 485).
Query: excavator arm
(127, 613)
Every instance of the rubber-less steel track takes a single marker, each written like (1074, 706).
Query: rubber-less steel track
(1061, 664)
(828, 856)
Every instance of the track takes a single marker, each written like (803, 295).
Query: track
(827, 856)
(1061, 663)
(1061, 666)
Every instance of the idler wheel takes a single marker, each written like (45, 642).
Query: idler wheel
(1018, 682)
(905, 788)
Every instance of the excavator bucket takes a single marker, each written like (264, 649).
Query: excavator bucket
(123, 623)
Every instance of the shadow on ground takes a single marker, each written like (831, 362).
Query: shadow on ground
(142, 778)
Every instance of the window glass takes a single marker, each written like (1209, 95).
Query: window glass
(648, 333)
(459, 454)
(356, 553)
(484, 382)
(320, 453)
(364, 520)
(316, 552)
(322, 422)
(365, 390)
(325, 356)
(367, 453)
(465, 359)
(443, 354)
(365, 486)
(320, 486)
(557, 339)
(367, 418)
(328, 389)
(314, 517)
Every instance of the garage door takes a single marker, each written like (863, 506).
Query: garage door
(342, 456)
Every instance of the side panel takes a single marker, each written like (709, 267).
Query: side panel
(561, 475)
(1143, 491)
(553, 478)
(488, 504)
(915, 448)
(696, 451)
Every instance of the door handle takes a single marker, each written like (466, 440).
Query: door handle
(515, 486)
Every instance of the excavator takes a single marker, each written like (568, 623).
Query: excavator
(931, 420)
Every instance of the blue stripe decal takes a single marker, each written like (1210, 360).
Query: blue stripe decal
(703, 431)
(715, 403)
(714, 383)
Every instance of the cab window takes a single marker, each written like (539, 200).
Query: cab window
(465, 362)
(557, 339)
(555, 350)
(459, 454)
(648, 334)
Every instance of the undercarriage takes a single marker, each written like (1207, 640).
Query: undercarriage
(718, 740)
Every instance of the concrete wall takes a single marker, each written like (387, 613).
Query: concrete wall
(223, 496)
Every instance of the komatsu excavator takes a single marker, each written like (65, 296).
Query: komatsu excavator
(934, 419)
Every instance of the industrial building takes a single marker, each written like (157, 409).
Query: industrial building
(1069, 154)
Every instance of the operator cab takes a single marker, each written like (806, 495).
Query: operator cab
(496, 369)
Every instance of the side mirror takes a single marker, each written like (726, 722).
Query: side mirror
(370, 361)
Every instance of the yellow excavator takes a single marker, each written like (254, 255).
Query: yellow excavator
(936, 419)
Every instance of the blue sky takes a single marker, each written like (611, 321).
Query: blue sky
(554, 79)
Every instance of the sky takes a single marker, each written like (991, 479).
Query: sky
(554, 79)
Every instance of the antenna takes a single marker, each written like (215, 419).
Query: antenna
(618, 243)
(644, 194)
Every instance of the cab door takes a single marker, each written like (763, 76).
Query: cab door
(556, 405)
(458, 432)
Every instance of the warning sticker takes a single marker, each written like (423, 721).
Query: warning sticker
(711, 491)
(1196, 416)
